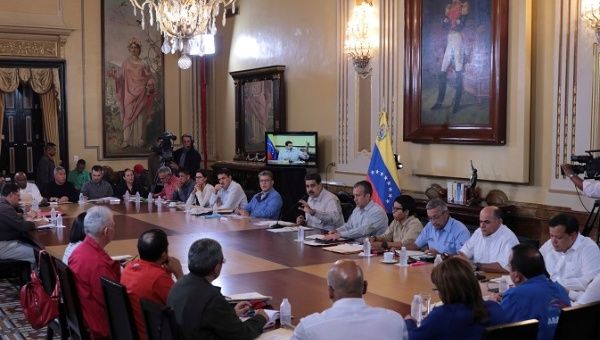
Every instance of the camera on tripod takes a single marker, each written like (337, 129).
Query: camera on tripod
(165, 147)
(588, 165)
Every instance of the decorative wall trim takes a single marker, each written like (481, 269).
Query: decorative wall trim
(35, 42)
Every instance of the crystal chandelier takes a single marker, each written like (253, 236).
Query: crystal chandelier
(590, 13)
(188, 26)
(361, 37)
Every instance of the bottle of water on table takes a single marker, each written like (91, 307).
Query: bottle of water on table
(285, 313)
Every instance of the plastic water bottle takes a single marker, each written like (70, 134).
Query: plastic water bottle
(403, 257)
(53, 216)
(415, 308)
(81, 198)
(150, 198)
(503, 287)
(35, 205)
(300, 234)
(215, 209)
(285, 313)
(59, 221)
(438, 260)
(367, 247)
(126, 196)
(188, 206)
(137, 197)
(159, 201)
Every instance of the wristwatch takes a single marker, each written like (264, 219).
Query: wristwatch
(570, 175)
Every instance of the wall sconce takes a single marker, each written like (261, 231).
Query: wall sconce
(590, 13)
(361, 37)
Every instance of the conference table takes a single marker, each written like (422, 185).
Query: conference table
(272, 264)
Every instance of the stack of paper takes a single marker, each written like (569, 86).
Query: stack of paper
(277, 334)
(287, 229)
(251, 296)
(317, 240)
(345, 248)
(273, 316)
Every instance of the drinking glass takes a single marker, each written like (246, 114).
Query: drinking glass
(425, 304)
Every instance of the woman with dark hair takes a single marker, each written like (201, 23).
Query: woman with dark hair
(404, 229)
(76, 237)
(464, 314)
(130, 185)
(202, 190)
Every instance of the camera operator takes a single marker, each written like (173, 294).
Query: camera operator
(186, 157)
(590, 187)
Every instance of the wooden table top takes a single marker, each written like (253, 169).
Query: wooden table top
(257, 260)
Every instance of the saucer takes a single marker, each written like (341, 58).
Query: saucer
(389, 262)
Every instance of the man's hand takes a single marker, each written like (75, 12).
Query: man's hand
(431, 252)
(333, 235)
(300, 220)
(242, 212)
(242, 308)
(306, 208)
(218, 187)
(262, 313)
(65, 199)
(567, 169)
(173, 266)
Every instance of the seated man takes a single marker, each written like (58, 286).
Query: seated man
(185, 186)
(404, 229)
(89, 262)
(60, 190)
(149, 277)
(169, 182)
(534, 295)
(97, 187)
(443, 234)
(367, 219)
(350, 317)
(571, 259)
(29, 191)
(265, 204)
(592, 292)
(79, 176)
(14, 227)
(292, 154)
(322, 209)
(490, 245)
(200, 309)
(228, 193)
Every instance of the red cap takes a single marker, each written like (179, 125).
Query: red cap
(138, 168)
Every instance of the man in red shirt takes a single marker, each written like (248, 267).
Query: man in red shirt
(89, 262)
(150, 277)
(169, 182)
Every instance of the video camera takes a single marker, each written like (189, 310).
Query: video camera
(590, 165)
(164, 146)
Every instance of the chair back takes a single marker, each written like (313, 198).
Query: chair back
(582, 321)
(160, 321)
(75, 323)
(118, 309)
(10, 268)
(522, 330)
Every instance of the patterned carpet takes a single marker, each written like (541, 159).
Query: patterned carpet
(12, 323)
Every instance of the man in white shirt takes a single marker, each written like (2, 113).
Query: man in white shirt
(322, 209)
(350, 317)
(228, 193)
(28, 191)
(367, 219)
(571, 259)
(590, 187)
(491, 244)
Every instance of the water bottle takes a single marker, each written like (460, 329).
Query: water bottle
(126, 196)
(403, 257)
(53, 216)
(300, 234)
(81, 198)
(415, 308)
(285, 313)
(503, 285)
(59, 221)
(215, 209)
(35, 205)
(137, 197)
(150, 198)
(367, 247)
(438, 260)
(159, 201)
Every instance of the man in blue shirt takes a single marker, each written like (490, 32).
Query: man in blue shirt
(443, 234)
(185, 186)
(265, 204)
(534, 296)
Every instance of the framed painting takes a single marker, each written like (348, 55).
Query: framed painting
(132, 82)
(259, 107)
(455, 71)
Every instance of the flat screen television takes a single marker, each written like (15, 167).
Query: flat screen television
(299, 149)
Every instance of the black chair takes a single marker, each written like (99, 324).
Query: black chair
(522, 330)
(74, 319)
(118, 309)
(580, 322)
(347, 203)
(160, 321)
(48, 276)
(15, 269)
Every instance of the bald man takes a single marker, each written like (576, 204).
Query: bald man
(350, 317)
(491, 244)
(28, 191)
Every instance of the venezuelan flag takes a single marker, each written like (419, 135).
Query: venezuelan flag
(382, 173)
(272, 153)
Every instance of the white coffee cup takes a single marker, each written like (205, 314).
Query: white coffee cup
(172, 204)
(388, 256)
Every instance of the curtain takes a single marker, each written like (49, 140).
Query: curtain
(1, 116)
(46, 83)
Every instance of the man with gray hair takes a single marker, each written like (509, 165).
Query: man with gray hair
(265, 204)
(350, 317)
(60, 190)
(443, 234)
(201, 311)
(89, 262)
(169, 182)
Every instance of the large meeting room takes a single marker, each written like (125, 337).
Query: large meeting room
(300, 169)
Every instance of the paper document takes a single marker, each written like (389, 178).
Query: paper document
(273, 316)
(271, 223)
(345, 248)
(251, 296)
(412, 252)
(287, 229)
(277, 334)
(121, 258)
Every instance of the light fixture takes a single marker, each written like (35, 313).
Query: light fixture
(187, 26)
(590, 13)
(361, 37)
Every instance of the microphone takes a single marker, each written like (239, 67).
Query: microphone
(286, 212)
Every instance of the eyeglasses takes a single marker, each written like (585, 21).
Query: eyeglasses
(396, 209)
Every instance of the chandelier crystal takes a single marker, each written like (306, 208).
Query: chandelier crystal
(590, 13)
(361, 37)
(187, 26)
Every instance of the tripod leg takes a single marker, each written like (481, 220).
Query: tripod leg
(591, 220)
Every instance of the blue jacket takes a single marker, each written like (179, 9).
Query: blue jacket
(537, 298)
(454, 321)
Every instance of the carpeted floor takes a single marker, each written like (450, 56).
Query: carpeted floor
(12, 323)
